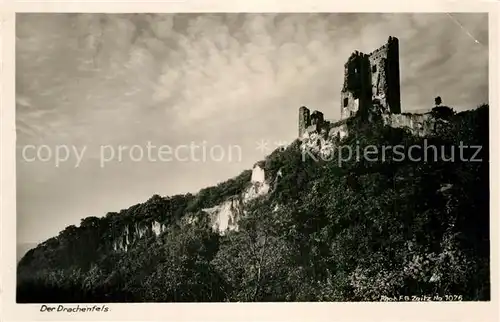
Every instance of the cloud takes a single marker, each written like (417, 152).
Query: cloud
(23, 102)
(97, 79)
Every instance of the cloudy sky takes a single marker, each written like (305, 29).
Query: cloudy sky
(85, 81)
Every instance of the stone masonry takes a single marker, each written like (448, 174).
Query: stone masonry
(371, 85)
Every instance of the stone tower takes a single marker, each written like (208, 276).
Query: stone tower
(304, 120)
(356, 92)
(384, 64)
(372, 81)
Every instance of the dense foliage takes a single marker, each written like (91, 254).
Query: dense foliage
(326, 232)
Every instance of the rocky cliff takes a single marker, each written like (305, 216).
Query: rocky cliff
(118, 232)
(225, 216)
(293, 228)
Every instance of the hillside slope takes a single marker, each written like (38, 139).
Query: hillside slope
(299, 228)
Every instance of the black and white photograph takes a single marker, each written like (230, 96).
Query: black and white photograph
(252, 157)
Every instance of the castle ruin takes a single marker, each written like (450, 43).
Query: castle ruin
(371, 85)
(372, 80)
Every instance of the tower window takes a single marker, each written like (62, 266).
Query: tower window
(374, 68)
(346, 102)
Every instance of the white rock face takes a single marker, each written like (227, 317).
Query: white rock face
(258, 174)
(157, 228)
(258, 187)
(225, 216)
(255, 190)
(445, 187)
(131, 234)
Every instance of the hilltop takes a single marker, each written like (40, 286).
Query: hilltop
(296, 227)
(307, 223)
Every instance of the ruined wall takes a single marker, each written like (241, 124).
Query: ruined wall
(338, 130)
(371, 87)
(317, 118)
(418, 124)
(317, 144)
(385, 78)
(317, 122)
(312, 122)
(349, 105)
(372, 78)
(304, 120)
(356, 91)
